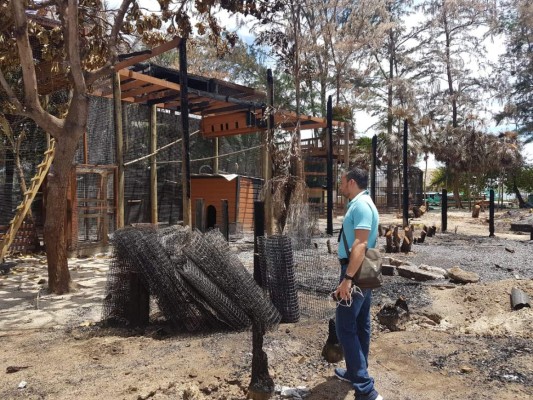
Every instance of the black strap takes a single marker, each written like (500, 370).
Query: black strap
(345, 243)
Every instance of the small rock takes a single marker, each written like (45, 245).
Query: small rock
(437, 270)
(22, 384)
(466, 370)
(456, 274)
(413, 272)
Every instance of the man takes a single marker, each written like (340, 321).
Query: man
(360, 228)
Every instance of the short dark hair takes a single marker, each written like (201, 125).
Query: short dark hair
(359, 175)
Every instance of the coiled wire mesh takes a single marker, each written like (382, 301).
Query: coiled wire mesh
(197, 283)
(210, 252)
(277, 271)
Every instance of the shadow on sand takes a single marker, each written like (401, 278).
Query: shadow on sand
(331, 389)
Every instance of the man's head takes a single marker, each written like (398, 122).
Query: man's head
(354, 182)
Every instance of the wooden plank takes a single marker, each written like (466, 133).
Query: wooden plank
(119, 148)
(152, 53)
(141, 91)
(149, 79)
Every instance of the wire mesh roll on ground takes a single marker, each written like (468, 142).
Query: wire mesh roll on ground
(175, 298)
(210, 253)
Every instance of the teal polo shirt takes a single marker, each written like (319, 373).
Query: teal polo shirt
(361, 214)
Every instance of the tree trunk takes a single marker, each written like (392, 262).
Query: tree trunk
(456, 195)
(6, 195)
(521, 202)
(56, 199)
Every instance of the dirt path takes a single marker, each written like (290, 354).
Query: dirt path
(479, 349)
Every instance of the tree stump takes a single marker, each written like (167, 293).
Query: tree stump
(423, 234)
(475, 211)
(407, 240)
(396, 239)
(418, 211)
(388, 239)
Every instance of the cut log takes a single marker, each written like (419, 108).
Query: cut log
(431, 231)
(396, 239)
(388, 270)
(475, 211)
(407, 240)
(388, 239)
(423, 234)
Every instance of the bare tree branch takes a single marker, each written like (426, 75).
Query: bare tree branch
(11, 95)
(31, 106)
(119, 20)
(69, 12)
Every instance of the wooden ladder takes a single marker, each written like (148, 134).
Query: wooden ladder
(29, 196)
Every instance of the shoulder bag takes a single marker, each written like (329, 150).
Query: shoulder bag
(369, 275)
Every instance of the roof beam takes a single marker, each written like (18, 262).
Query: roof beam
(148, 54)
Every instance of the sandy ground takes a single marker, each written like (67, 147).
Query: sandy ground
(461, 342)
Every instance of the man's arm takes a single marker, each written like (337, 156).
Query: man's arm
(357, 254)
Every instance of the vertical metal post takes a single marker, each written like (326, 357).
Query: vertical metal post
(199, 215)
(329, 132)
(153, 164)
(185, 148)
(373, 168)
(267, 161)
(119, 140)
(444, 210)
(225, 218)
(405, 175)
(491, 213)
(259, 230)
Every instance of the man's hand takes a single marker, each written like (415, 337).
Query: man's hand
(344, 290)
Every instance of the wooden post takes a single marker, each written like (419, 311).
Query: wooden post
(138, 308)
(119, 139)
(491, 213)
(373, 168)
(225, 218)
(259, 230)
(105, 217)
(444, 210)
(153, 164)
(185, 148)
(199, 220)
(215, 167)
(405, 176)
(329, 133)
(347, 130)
(267, 161)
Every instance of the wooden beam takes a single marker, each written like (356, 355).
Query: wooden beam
(149, 79)
(141, 90)
(119, 139)
(152, 53)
